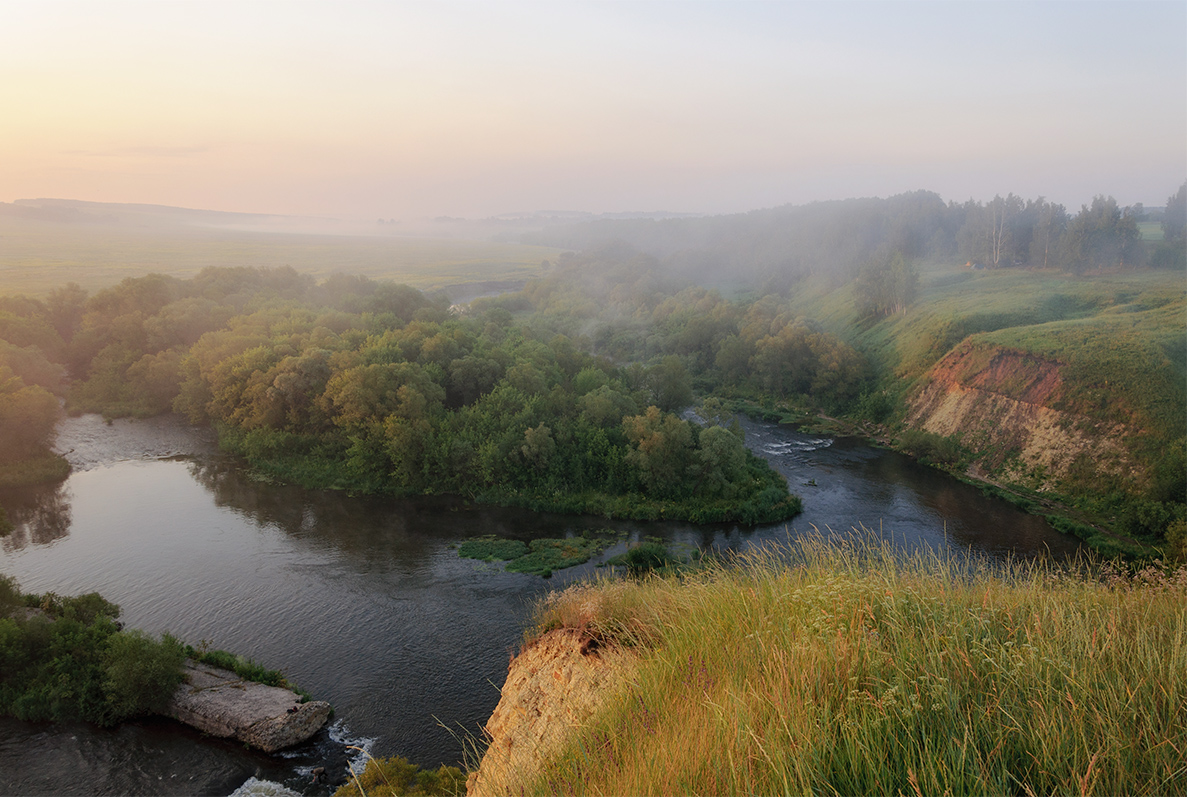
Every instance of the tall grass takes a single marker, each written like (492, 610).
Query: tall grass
(839, 668)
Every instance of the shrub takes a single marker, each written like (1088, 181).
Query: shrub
(142, 673)
(932, 448)
(1176, 542)
(10, 595)
(391, 777)
(646, 556)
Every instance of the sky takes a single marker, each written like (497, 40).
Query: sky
(413, 110)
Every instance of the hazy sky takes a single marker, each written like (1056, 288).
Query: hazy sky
(468, 109)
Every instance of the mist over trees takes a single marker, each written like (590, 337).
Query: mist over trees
(774, 247)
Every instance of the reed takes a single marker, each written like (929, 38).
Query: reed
(850, 668)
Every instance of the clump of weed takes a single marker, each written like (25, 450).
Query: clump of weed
(540, 556)
(492, 549)
(396, 776)
(546, 555)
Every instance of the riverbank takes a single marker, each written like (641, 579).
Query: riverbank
(1049, 506)
(848, 668)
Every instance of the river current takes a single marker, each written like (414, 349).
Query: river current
(364, 602)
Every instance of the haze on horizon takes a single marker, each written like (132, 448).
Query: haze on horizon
(413, 110)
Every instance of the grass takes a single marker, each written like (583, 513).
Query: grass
(491, 548)
(825, 667)
(245, 668)
(37, 257)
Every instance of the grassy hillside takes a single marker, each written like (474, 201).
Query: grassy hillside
(954, 302)
(826, 668)
(1118, 342)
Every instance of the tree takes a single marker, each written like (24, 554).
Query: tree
(886, 285)
(1050, 221)
(662, 448)
(719, 462)
(670, 383)
(27, 416)
(1174, 222)
(1102, 236)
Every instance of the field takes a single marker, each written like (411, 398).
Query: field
(36, 257)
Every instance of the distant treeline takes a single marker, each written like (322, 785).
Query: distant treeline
(776, 245)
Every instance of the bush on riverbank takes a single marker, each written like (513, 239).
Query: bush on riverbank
(390, 777)
(840, 668)
(44, 468)
(67, 659)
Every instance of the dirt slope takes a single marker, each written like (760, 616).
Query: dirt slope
(1004, 404)
(554, 685)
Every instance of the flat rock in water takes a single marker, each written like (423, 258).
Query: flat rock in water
(220, 703)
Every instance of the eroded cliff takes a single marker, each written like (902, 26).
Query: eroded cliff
(1012, 408)
(553, 686)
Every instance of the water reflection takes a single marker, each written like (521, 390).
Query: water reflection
(379, 533)
(40, 515)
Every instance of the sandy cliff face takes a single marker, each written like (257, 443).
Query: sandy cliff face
(553, 686)
(1003, 404)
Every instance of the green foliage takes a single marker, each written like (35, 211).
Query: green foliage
(932, 448)
(244, 667)
(875, 405)
(1176, 542)
(27, 417)
(540, 556)
(396, 777)
(492, 549)
(645, 557)
(546, 555)
(141, 672)
(72, 662)
(10, 595)
(886, 285)
(41, 468)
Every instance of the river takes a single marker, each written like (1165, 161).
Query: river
(363, 601)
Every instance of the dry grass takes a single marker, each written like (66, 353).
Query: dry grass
(847, 669)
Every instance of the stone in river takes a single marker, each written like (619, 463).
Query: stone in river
(220, 703)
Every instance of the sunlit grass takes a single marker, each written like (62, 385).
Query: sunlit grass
(847, 669)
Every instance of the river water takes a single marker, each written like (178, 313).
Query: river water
(364, 601)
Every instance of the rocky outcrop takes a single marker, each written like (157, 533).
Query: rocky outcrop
(1005, 404)
(220, 703)
(553, 686)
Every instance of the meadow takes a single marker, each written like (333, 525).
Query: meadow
(36, 257)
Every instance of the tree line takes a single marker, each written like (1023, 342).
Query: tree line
(774, 247)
